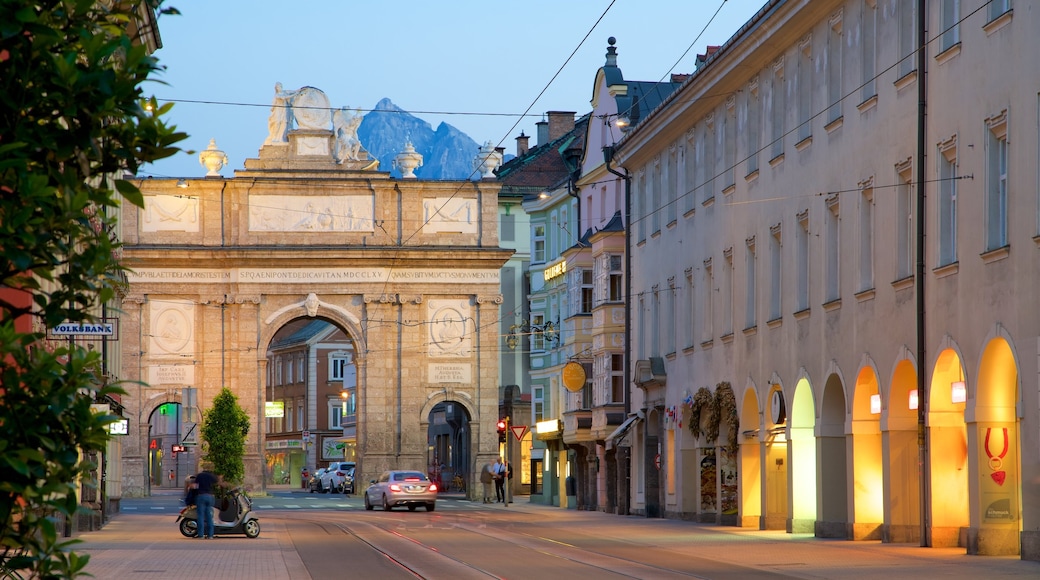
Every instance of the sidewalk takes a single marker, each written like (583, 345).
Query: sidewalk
(150, 546)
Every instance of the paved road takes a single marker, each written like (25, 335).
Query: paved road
(330, 537)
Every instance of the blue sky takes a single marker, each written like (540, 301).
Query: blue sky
(476, 65)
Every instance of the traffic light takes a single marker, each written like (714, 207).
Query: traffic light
(501, 430)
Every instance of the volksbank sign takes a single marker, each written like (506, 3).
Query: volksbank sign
(85, 329)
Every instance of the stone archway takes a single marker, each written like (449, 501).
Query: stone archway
(409, 269)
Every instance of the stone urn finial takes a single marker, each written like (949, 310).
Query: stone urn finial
(213, 159)
(408, 160)
(487, 160)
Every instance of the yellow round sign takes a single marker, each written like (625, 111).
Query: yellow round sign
(574, 376)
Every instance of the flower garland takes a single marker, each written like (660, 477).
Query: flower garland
(704, 401)
(720, 406)
(727, 405)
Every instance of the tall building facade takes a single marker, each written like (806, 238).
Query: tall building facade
(834, 317)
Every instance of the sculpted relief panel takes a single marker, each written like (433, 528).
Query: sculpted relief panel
(170, 213)
(451, 328)
(304, 213)
(171, 328)
(449, 215)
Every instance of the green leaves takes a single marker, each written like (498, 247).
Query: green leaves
(71, 125)
(224, 429)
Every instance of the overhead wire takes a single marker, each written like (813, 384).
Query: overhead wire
(791, 131)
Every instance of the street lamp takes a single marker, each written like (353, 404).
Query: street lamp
(548, 331)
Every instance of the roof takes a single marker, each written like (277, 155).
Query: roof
(549, 164)
(303, 334)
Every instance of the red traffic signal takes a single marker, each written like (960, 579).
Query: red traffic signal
(501, 425)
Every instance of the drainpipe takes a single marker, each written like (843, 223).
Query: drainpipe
(608, 157)
(922, 384)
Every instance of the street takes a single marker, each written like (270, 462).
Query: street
(331, 536)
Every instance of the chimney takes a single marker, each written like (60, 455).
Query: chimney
(560, 123)
(542, 128)
(521, 144)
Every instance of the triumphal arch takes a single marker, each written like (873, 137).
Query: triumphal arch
(311, 228)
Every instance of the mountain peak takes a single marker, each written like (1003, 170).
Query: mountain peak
(447, 152)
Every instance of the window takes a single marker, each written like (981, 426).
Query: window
(537, 403)
(278, 371)
(729, 145)
(727, 291)
(350, 405)
(996, 182)
(749, 290)
(775, 270)
(342, 410)
(538, 243)
(690, 182)
(671, 175)
(907, 37)
(638, 205)
(616, 290)
(779, 109)
(290, 366)
(669, 317)
(834, 92)
(617, 378)
(289, 416)
(950, 13)
(301, 422)
(753, 121)
(655, 322)
(691, 309)
(805, 89)
(947, 220)
(537, 338)
(997, 8)
(300, 376)
(707, 297)
(868, 50)
(507, 229)
(802, 251)
(866, 236)
(654, 196)
(706, 159)
(586, 392)
(833, 250)
(339, 366)
(586, 291)
(904, 221)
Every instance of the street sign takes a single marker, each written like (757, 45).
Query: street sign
(519, 431)
(306, 434)
(105, 329)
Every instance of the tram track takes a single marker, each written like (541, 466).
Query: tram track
(460, 547)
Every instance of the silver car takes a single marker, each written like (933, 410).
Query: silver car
(407, 488)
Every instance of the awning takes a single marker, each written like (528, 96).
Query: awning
(616, 439)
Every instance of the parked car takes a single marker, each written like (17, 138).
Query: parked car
(314, 483)
(338, 477)
(407, 488)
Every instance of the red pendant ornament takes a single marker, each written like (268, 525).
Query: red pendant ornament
(996, 462)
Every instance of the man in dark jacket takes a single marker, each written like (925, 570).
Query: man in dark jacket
(205, 483)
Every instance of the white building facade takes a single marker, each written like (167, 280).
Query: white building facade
(778, 291)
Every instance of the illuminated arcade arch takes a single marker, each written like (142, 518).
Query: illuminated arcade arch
(948, 451)
(802, 459)
(868, 501)
(751, 453)
(993, 428)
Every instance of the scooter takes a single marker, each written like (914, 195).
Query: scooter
(235, 517)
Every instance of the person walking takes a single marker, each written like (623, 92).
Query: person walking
(499, 471)
(205, 484)
(487, 477)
